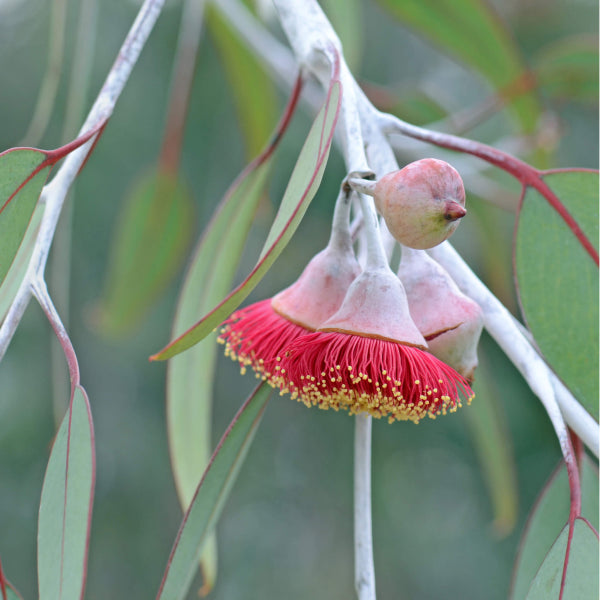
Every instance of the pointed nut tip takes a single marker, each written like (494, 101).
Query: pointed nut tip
(454, 211)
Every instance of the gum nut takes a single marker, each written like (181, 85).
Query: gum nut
(422, 204)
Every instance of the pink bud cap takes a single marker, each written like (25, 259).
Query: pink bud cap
(320, 290)
(450, 321)
(376, 306)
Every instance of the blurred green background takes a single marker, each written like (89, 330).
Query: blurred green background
(286, 530)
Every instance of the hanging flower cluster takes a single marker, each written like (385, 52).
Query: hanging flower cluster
(344, 338)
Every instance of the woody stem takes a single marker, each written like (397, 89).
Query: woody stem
(364, 569)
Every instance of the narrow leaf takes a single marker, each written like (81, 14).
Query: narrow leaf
(558, 280)
(253, 91)
(66, 505)
(582, 573)
(548, 517)
(14, 277)
(302, 187)
(472, 32)
(23, 173)
(210, 496)
(152, 236)
(209, 277)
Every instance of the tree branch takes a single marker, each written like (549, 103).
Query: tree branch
(54, 193)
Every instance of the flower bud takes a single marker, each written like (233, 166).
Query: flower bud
(422, 204)
(450, 321)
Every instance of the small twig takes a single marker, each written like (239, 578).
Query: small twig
(364, 568)
(54, 193)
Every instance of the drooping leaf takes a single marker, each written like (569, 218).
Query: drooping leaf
(66, 505)
(568, 69)
(152, 235)
(190, 375)
(23, 173)
(14, 277)
(301, 188)
(472, 32)
(209, 277)
(210, 496)
(581, 582)
(558, 280)
(548, 517)
(253, 91)
(493, 446)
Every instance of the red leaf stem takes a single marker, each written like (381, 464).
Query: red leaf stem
(525, 173)
(2, 583)
(575, 510)
(52, 157)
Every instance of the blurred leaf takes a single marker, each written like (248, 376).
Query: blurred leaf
(152, 235)
(581, 582)
(568, 69)
(211, 494)
(253, 90)
(189, 394)
(547, 518)
(493, 444)
(14, 277)
(558, 280)
(23, 173)
(66, 505)
(302, 187)
(346, 18)
(209, 277)
(473, 33)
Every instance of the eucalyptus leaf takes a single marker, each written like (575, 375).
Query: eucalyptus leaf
(301, 188)
(14, 277)
(23, 173)
(558, 280)
(210, 496)
(548, 517)
(581, 582)
(66, 505)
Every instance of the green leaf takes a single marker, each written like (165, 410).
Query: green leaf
(253, 91)
(302, 187)
(23, 173)
(549, 514)
(66, 505)
(211, 494)
(581, 582)
(568, 69)
(472, 32)
(487, 425)
(558, 280)
(189, 397)
(14, 277)
(151, 238)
